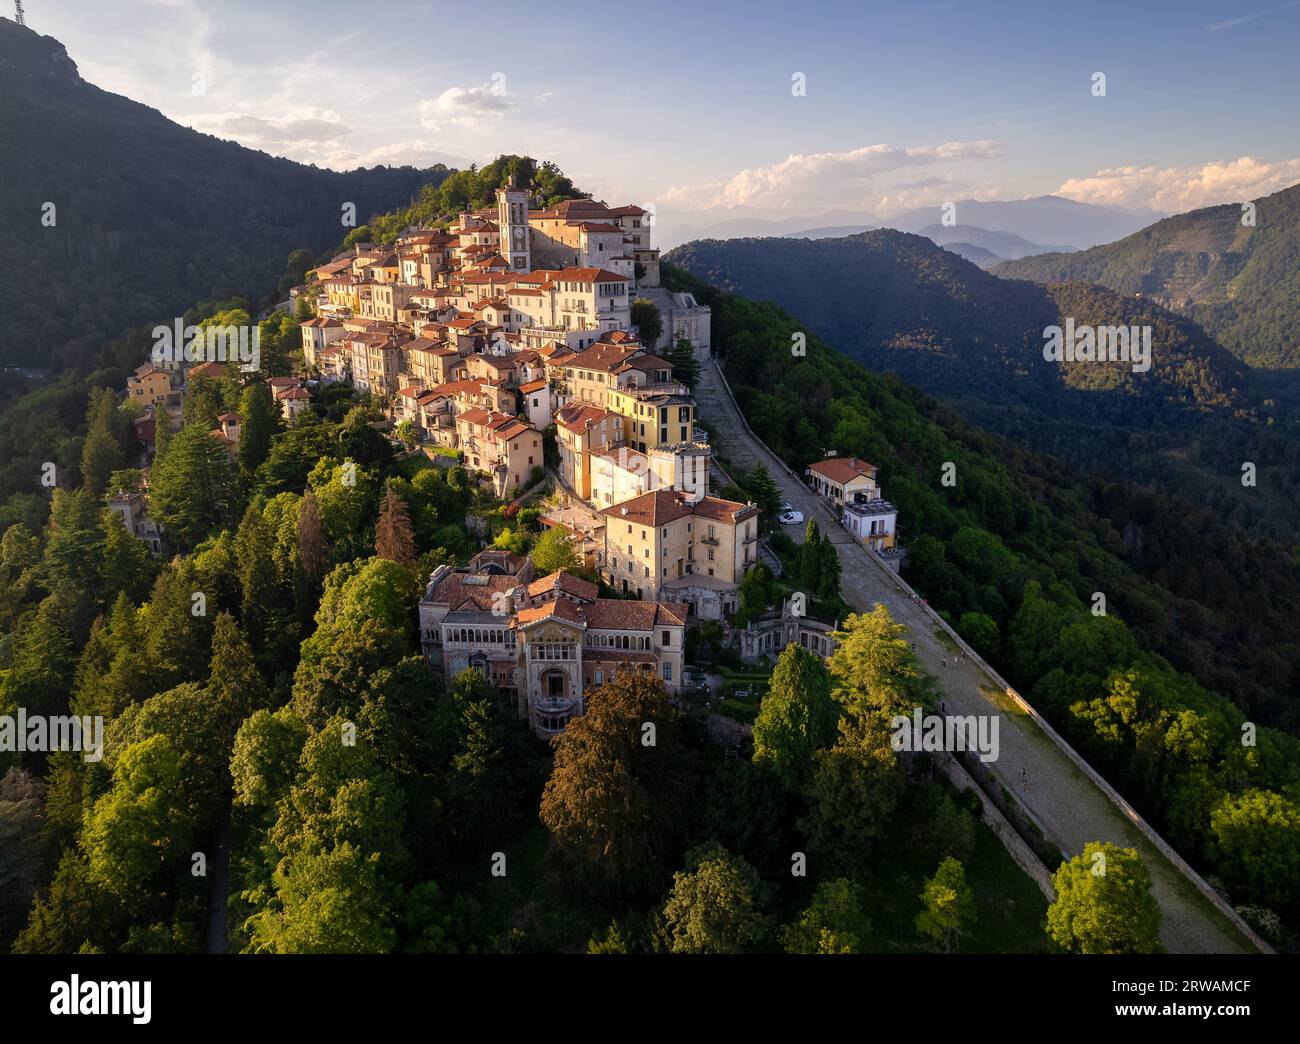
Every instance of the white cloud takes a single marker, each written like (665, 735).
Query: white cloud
(294, 131)
(466, 106)
(394, 154)
(1175, 189)
(828, 177)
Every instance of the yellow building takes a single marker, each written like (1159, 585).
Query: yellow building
(149, 386)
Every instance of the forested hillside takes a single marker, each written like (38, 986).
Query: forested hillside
(898, 302)
(148, 216)
(1236, 274)
(1202, 625)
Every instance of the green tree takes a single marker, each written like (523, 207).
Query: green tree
(255, 553)
(686, 368)
(764, 491)
(613, 941)
(1256, 839)
(128, 566)
(853, 790)
(101, 453)
(139, 831)
(204, 402)
(1104, 903)
(828, 571)
(257, 425)
(234, 683)
(810, 558)
(613, 803)
(948, 905)
(717, 905)
(326, 902)
(832, 923)
(645, 317)
(194, 489)
(556, 549)
(74, 544)
(981, 632)
(797, 717)
(874, 667)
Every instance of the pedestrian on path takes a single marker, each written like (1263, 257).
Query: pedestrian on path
(945, 663)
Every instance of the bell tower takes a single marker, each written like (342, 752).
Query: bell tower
(512, 220)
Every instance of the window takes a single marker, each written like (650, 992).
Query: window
(600, 677)
(665, 638)
(668, 672)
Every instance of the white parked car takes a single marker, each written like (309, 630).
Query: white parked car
(790, 518)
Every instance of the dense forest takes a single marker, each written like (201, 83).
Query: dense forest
(263, 690)
(133, 195)
(898, 303)
(1235, 272)
(264, 695)
(1200, 632)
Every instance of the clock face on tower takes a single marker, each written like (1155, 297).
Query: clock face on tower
(519, 235)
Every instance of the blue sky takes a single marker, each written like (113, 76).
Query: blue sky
(689, 105)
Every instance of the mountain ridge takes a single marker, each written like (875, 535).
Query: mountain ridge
(1239, 281)
(149, 214)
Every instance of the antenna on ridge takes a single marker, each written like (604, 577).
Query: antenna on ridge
(18, 17)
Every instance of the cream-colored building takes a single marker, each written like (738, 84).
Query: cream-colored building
(850, 484)
(548, 641)
(838, 479)
(500, 446)
(661, 545)
(318, 334)
(621, 473)
(580, 431)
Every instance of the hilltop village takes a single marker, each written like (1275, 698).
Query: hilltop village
(515, 342)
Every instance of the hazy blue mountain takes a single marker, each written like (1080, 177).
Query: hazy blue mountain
(1051, 220)
(1000, 244)
(975, 254)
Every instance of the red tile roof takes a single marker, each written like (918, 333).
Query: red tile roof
(842, 469)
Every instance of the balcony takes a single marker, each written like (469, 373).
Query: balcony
(750, 540)
(555, 704)
(712, 541)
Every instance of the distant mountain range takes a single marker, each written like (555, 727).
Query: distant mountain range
(1054, 220)
(1002, 245)
(1034, 225)
(899, 302)
(677, 227)
(975, 254)
(1235, 273)
(148, 216)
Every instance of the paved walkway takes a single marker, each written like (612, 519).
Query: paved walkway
(1068, 806)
